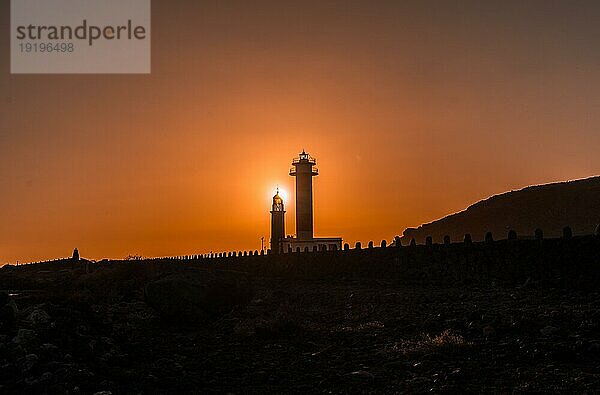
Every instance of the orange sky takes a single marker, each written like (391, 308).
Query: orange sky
(412, 111)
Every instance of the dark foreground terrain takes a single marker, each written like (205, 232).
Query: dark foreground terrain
(88, 328)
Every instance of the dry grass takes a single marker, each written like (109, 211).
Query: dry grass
(446, 342)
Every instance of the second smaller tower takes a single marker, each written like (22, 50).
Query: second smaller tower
(277, 224)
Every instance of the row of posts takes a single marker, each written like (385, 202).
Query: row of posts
(511, 236)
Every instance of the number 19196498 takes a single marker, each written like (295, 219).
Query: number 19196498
(47, 47)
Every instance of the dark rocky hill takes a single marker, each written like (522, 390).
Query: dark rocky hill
(549, 207)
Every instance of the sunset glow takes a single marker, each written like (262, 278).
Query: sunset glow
(412, 112)
(283, 194)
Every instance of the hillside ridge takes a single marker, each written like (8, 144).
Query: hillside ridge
(550, 207)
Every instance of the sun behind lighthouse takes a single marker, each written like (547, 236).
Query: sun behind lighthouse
(303, 170)
(282, 193)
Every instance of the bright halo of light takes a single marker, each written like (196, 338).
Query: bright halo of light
(272, 189)
(283, 194)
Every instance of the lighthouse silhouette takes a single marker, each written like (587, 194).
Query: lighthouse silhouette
(303, 169)
(277, 223)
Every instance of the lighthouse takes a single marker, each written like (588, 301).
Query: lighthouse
(277, 224)
(303, 168)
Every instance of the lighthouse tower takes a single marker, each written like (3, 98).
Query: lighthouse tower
(304, 170)
(277, 224)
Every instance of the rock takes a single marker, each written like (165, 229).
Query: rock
(594, 347)
(38, 317)
(168, 366)
(25, 337)
(46, 376)
(152, 378)
(31, 381)
(106, 357)
(91, 346)
(8, 311)
(489, 331)
(8, 370)
(106, 384)
(85, 375)
(196, 296)
(16, 351)
(28, 362)
(362, 374)
(549, 330)
(48, 347)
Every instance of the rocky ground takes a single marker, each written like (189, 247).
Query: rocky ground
(72, 332)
